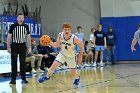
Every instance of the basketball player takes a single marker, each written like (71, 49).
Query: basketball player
(135, 39)
(67, 42)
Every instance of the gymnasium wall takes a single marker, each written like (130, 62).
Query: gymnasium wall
(78, 12)
(4, 3)
(124, 16)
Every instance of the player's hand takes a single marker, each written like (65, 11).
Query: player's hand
(79, 59)
(133, 49)
(9, 50)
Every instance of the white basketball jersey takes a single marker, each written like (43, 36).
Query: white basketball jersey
(67, 46)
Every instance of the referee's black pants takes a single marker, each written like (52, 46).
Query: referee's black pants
(18, 49)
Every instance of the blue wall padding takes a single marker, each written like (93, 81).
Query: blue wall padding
(124, 27)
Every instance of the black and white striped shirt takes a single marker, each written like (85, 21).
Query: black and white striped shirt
(19, 32)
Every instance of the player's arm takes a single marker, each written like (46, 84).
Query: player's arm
(134, 41)
(57, 43)
(80, 44)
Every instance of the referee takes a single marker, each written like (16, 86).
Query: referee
(17, 38)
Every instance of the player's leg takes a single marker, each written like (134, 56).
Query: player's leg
(57, 62)
(50, 72)
(72, 64)
(75, 75)
(53, 67)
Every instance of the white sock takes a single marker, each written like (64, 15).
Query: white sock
(78, 77)
(47, 76)
(101, 61)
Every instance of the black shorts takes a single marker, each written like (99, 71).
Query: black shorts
(93, 50)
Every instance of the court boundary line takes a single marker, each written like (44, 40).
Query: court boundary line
(102, 82)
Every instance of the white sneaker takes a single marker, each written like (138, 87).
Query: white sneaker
(82, 66)
(33, 71)
(87, 65)
(101, 64)
(40, 71)
(94, 65)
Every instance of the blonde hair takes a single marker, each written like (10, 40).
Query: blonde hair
(99, 25)
(66, 25)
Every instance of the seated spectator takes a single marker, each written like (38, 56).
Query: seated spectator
(48, 55)
(41, 50)
(38, 57)
(51, 56)
(31, 59)
(88, 55)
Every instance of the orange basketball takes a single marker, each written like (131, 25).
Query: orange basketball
(45, 40)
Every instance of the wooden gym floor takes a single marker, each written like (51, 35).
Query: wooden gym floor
(122, 78)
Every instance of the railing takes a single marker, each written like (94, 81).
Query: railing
(3, 24)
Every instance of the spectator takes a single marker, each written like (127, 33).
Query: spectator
(99, 44)
(41, 50)
(110, 39)
(31, 58)
(80, 35)
(48, 55)
(88, 55)
(92, 41)
(38, 57)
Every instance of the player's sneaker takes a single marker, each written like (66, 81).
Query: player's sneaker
(24, 81)
(42, 79)
(76, 81)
